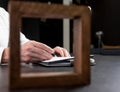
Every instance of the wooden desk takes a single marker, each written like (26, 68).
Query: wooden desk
(105, 77)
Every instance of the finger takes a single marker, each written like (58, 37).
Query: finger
(32, 59)
(35, 57)
(31, 50)
(43, 46)
(41, 54)
(66, 53)
(59, 51)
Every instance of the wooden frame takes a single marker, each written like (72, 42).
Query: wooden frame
(81, 38)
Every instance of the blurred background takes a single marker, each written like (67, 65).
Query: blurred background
(104, 25)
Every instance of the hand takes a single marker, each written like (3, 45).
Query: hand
(61, 51)
(5, 55)
(35, 51)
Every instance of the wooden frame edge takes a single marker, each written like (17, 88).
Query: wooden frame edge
(81, 17)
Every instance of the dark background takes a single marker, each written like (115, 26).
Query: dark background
(48, 31)
(105, 18)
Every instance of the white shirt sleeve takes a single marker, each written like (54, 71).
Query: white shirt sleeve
(4, 31)
(23, 38)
